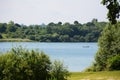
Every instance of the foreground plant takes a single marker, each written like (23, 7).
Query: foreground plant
(21, 64)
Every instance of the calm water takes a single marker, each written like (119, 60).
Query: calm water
(77, 56)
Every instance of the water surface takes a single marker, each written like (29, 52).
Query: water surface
(77, 56)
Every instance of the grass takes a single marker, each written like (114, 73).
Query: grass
(5, 39)
(104, 75)
(15, 40)
(4, 35)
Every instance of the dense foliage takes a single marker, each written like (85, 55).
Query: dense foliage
(113, 7)
(108, 55)
(1, 36)
(54, 32)
(21, 64)
(59, 71)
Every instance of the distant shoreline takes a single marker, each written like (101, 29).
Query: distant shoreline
(15, 40)
(28, 40)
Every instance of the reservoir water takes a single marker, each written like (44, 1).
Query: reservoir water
(76, 56)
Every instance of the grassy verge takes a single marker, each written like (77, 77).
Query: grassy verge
(15, 40)
(107, 75)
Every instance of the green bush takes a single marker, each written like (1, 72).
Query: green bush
(114, 63)
(59, 71)
(31, 37)
(21, 64)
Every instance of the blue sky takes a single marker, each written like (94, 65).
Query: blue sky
(46, 11)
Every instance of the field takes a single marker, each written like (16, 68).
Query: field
(107, 75)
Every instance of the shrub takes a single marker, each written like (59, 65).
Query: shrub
(21, 64)
(31, 37)
(59, 71)
(114, 63)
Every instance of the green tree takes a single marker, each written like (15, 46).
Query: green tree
(60, 23)
(94, 21)
(2, 27)
(109, 46)
(107, 57)
(32, 37)
(54, 32)
(64, 38)
(76, 22)
(59, 71)
(11, 27)
(113, 7)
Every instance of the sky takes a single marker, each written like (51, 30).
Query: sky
(46, 11)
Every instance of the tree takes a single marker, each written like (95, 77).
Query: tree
(107, 57)
(18, 25)
(94, 20)
(65, 32)
(51, 24)
(64, 38)
(59, 71)
(2, 27)
(11, 27)
(76, 22)
(113, 7)
(32, 37)
(109, 46)
(59, 23)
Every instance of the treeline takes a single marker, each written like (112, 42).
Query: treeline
(54, 32)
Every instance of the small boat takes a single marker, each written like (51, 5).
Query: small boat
(86, 46)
